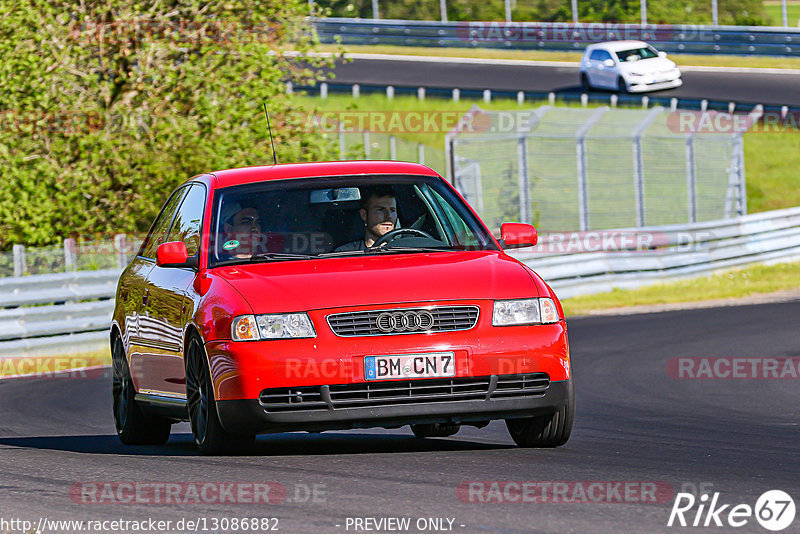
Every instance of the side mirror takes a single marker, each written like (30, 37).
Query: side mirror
(174, 254)
(518, 235)
(608, 62)
(661, 53)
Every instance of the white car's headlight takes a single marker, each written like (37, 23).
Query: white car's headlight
(272, 326)
(524, 311)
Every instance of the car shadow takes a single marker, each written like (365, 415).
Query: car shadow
(333, 443)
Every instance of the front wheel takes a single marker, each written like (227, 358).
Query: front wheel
(133, 426)
(208, 433)
(622, 87)
(585, 84)
(551, 430)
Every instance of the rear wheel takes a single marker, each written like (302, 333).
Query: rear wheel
(134, 427)
(622, 87)
(551, 430)
(208, 433)
(435, 430)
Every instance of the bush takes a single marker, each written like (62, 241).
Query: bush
(108, 105)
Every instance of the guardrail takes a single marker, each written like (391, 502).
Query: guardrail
(683, 38)
(72, 311)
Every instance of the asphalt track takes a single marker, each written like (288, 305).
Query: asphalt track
(768, 88)
(634, 422)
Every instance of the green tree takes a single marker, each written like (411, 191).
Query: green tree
(105, 106)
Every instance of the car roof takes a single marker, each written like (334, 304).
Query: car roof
(246, 175)
(618, 45)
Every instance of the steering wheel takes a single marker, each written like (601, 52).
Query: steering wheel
(394, 234)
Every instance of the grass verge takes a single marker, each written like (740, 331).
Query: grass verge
(46, 366)
(684, 60)
(733, 284)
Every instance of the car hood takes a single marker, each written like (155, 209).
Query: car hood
(649, 66)
(373, 280)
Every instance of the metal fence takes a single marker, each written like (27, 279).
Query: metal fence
(71, 255)
(681, 38)
(581, 168)
(381, 146)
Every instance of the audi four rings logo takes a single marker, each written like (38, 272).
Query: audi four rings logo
(410, 321)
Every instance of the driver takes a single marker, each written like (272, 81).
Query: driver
(379, 213)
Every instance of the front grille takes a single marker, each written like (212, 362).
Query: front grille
(393, 392)
(365, 323)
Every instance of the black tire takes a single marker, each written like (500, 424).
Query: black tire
(552, 430)
(134, 427)
(585, 84)
(208, 433)
(435, 430)
(622, 87)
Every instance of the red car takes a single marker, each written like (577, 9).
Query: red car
(340, 295)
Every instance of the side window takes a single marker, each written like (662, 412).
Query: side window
(186, 227)
(160, 229)
(463, 235)
(597, 55)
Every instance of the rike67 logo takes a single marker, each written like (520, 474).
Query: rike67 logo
(774, 510)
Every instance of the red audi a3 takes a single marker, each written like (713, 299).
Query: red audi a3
(329, 296)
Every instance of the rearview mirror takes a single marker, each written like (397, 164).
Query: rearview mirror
(174, 254)
(518, 235)
(661, 53)
(608, 62)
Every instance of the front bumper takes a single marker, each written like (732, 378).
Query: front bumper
(636, 86)
(250, 416)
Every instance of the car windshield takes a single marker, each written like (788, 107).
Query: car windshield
(636, 54)
(301, 219)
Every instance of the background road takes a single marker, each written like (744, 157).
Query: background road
(634, 423)
(757, 88)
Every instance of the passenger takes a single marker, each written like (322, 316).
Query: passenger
(379, 213)
(241, 231)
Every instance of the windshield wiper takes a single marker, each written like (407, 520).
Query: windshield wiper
(271, 256)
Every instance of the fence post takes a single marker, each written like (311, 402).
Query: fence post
(691, 185)
(323, 90)
(366, 144)
(583, 181)
(120, 250)
(456, 95)
(390, 92)
(714, 13)
(356, 90)
(638, 163)
(508, 10)
(19, 260)
(643, 6)
(392, 148)
(574, 11)
(524, 183)
(443, 9)
(421, 93)
(70, 261)
(421, 153)
(375, 13)
(342, 144)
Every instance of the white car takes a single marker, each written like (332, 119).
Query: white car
(628, 66)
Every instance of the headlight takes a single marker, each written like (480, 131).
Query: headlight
(524, 311)
(272, 326)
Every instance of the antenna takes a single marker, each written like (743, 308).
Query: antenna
(269, 127)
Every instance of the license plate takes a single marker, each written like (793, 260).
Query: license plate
(428, 365)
